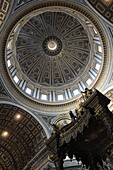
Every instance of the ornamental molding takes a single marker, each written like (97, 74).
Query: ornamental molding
(25, 137)
(53, 107)
(103, 8)
(4, 9)
(77, 128)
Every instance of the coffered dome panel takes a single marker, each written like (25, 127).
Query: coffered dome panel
(104, 8)
(52, 56)
(58, 65)
(52, 53)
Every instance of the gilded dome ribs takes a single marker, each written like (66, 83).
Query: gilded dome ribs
(63, 80)
(51, 50)
(69, 31)
(69, 66)
(35, 28)
(78, 60)
(24, 35)
(62, 24)
(23, 58)
(51, 72)
(41, 69)
(29, 31)
(53, 23)
(65, 65)
(77, 50)
(24, 46)
(44, 24)
(46, 74)
(34, 64)
(75, 38)
(54, 51)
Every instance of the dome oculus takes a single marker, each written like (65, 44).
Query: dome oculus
(53, 57)
(52, 34)
(52, 46)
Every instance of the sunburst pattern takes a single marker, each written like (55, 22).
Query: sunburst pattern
(52, 56)
(68, 61)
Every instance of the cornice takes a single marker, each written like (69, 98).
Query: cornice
(54, 107)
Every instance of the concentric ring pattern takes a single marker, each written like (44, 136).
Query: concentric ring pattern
(52, 68)
(51, 56)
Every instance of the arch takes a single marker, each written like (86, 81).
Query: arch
(31, 113)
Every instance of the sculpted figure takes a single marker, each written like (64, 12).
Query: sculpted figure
(87, 93)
